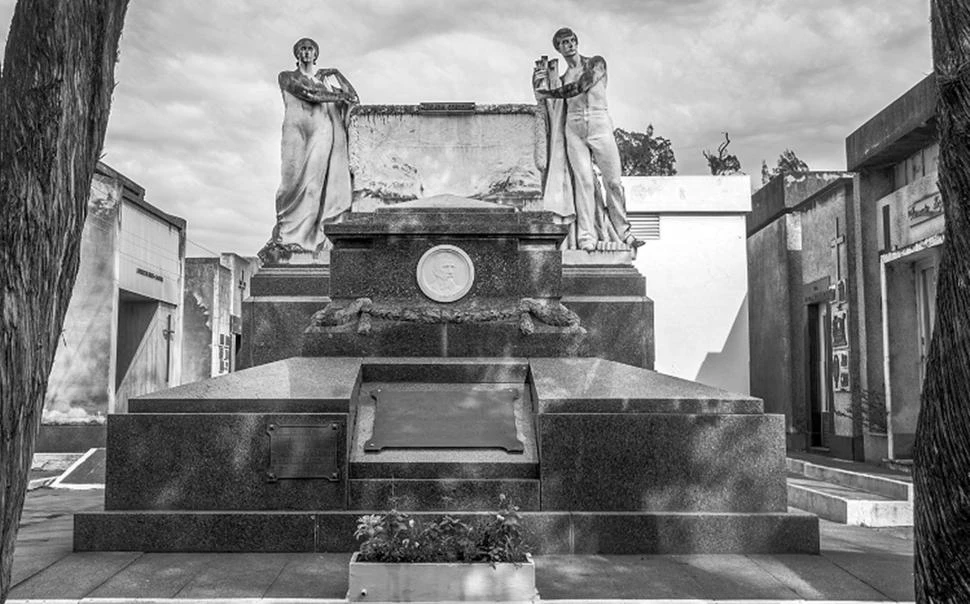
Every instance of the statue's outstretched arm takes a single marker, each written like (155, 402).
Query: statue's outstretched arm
(594, 70)
(305, 89)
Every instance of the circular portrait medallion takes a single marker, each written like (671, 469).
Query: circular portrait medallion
(445, 273)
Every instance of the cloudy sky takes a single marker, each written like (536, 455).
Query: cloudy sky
(197, 111)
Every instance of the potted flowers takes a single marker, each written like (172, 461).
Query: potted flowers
(403, 560)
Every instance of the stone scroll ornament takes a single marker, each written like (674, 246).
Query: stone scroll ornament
(315, 185)
(582, 176)
(528, 310)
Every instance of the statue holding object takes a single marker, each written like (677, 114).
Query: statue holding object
(580, 139)
(315, 185)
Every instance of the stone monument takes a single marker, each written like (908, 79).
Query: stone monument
(455, 155)
(444, 355)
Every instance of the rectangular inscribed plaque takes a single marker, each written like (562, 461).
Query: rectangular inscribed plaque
(430, 419)
(304, 451)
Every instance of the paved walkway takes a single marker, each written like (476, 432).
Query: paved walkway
(856, 564)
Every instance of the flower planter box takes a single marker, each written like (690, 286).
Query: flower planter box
(441, 582)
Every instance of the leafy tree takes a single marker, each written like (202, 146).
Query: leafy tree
(723, 162)
(55, 94)
(643, 154)
(788, 163)
(941, 453)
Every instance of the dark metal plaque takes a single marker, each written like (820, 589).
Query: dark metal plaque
(431, 419)
(304, 451)
(447, 108)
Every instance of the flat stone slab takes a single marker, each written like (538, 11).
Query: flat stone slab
(457, 419)
(452, 222)
(327, 384)
(295, 385)
(289, 280)
(598, 257)
(592, 385)
(602, 282)
(437, 203)
(465, 370)
(443, 463)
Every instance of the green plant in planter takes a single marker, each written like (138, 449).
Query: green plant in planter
(397, 537)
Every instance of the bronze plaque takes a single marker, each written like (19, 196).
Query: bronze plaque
(304, 451)
(431, 419)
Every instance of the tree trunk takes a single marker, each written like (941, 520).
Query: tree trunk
(942, 450)
(55, 93)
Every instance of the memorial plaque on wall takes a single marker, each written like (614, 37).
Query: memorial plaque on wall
(840, 330)
(304, 451)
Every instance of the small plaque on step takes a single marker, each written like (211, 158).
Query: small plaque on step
(435, 419)
(304, 450)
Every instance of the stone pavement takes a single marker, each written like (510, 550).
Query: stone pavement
(856, 565)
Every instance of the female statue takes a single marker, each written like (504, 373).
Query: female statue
(315, 186)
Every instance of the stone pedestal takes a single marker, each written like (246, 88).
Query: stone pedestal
(516, 257)
(282, 298)
(612, 306)
(617, 459)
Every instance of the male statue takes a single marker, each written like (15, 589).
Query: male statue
(588, 139)
(315, 183)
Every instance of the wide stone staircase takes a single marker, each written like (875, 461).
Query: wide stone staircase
(850, 492)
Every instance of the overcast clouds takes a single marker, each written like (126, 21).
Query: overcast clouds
(197, 112)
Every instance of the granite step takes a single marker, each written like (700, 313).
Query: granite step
(847, 505)
(442, 494)
(306, 280)
(855, 476)
(792, 532)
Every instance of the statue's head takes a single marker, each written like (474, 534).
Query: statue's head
(306, 43)
(563, 34)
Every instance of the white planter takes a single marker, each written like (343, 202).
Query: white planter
(441, 582)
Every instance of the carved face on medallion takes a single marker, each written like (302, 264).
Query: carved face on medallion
(445, 273)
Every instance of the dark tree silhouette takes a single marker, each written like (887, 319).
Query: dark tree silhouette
(643, 154)
(788, 163)
(941, 453)
(55, 93)
(723, 162)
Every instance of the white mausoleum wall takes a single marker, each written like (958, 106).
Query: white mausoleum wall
(696, 273)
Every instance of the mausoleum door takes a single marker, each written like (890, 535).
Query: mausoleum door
(819, 392)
